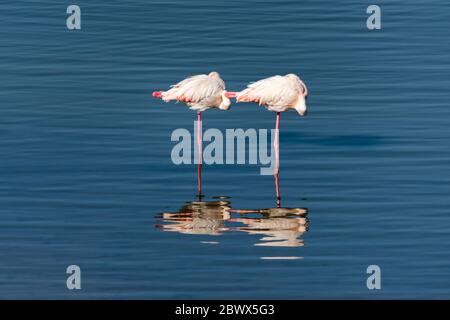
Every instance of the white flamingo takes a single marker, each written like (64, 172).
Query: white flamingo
(200, 93)
(279, 94)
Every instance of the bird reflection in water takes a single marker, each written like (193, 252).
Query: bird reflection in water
(198, 217)
(280, 226)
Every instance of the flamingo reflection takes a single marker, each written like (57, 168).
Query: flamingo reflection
(280, 226)
(198, 217)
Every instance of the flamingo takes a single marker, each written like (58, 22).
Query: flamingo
(278, 94)
(200, 93)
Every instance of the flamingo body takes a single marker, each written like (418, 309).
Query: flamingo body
(277, 93)
(200, 92)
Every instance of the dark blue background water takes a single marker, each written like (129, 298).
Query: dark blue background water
(85, 151)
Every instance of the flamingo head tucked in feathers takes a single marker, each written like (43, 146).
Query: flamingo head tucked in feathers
(300, 106)
(226, 102)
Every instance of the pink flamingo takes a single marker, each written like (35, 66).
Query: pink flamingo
(279, 94)
(200, 93)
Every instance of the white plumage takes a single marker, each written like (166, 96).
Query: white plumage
(200, 92)
(277, 93)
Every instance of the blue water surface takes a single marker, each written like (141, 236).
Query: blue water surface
(87, 177)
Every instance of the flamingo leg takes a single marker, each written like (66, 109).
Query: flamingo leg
(277, 159)
(277, 190)
(200, 154)
(276, 145)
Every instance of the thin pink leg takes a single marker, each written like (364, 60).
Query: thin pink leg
(200, 154)
(277, 190)
(277, 159)
(276, 145)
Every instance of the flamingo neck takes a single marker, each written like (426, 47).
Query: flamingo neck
(226, 103)
(300, 106)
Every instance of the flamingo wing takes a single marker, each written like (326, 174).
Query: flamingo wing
(276, 91)
(195, 89)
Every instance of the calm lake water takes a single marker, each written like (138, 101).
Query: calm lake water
(87, 177)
